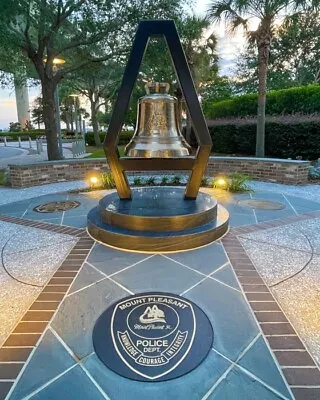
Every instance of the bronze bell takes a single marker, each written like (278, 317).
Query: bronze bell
(157, 133)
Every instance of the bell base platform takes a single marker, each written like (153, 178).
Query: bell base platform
(157, 209)
(158, 219)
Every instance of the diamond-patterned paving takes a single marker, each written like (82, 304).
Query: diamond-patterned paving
(255, 352)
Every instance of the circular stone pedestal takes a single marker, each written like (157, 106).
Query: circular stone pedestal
(157, 219)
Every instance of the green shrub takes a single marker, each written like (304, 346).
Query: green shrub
(234, 183)
(205, 181)
(314, 171)
(175, 180)
(107, 180)
(4, 178)
(283, 140)
(33, 134)
(164, 180)
(124, 138)
(137, 181)
(305, 99)
(151, 181)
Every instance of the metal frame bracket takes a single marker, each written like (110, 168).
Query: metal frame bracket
(197, 164)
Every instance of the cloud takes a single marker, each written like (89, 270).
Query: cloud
(8, 103)
(8, 111)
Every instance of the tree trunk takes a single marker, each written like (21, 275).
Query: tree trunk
(71, 114)
(263, 43)
(49, 119)
(80, 123)
(67, 120)
(77, 122)
(261, 118)
(188, 128)
(94, 123)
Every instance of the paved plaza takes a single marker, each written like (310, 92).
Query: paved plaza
(14, 154)
(259, 286)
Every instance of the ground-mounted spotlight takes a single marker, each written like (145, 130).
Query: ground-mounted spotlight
(93, 181)
(221, 182)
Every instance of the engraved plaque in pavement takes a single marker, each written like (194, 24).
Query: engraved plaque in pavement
(152, 336)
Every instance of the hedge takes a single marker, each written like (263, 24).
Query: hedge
(282, 140)
(33, 134)
(124, 138)
(305, 99)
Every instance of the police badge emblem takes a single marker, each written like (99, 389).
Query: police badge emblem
(152, 336)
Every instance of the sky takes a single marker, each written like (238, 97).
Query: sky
(228, 49)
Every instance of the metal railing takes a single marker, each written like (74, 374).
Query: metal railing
(78, 148)
(22, 139)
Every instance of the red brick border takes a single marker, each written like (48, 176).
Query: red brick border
(24, 338)
(67, 230)
(299, 368)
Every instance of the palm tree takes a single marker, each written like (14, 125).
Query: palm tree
(201, 54)
(237, 13)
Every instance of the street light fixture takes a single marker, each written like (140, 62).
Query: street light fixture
(55, 63)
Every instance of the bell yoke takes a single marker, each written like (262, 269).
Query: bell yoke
(160, 218)
(158, 143)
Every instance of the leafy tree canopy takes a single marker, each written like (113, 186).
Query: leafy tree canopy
(81, 32)
(294, 56)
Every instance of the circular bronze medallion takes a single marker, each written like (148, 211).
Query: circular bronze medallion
(262, 204)
(57, 206)
(153, 336)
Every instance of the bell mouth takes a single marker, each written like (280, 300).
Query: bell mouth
(145, 148)
(165, 153)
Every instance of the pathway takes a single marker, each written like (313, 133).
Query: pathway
(258, 286)
(13, 154)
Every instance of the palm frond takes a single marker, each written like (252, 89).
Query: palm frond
(219, 9)
(237, 22)
(224, 9)
(305, 5)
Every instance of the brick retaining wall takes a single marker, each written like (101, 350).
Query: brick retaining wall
(265, 169)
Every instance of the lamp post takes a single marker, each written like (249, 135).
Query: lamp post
(55, 63)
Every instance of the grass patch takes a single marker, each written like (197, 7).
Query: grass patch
(107, 181)
(98, 152)
(2, 178)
